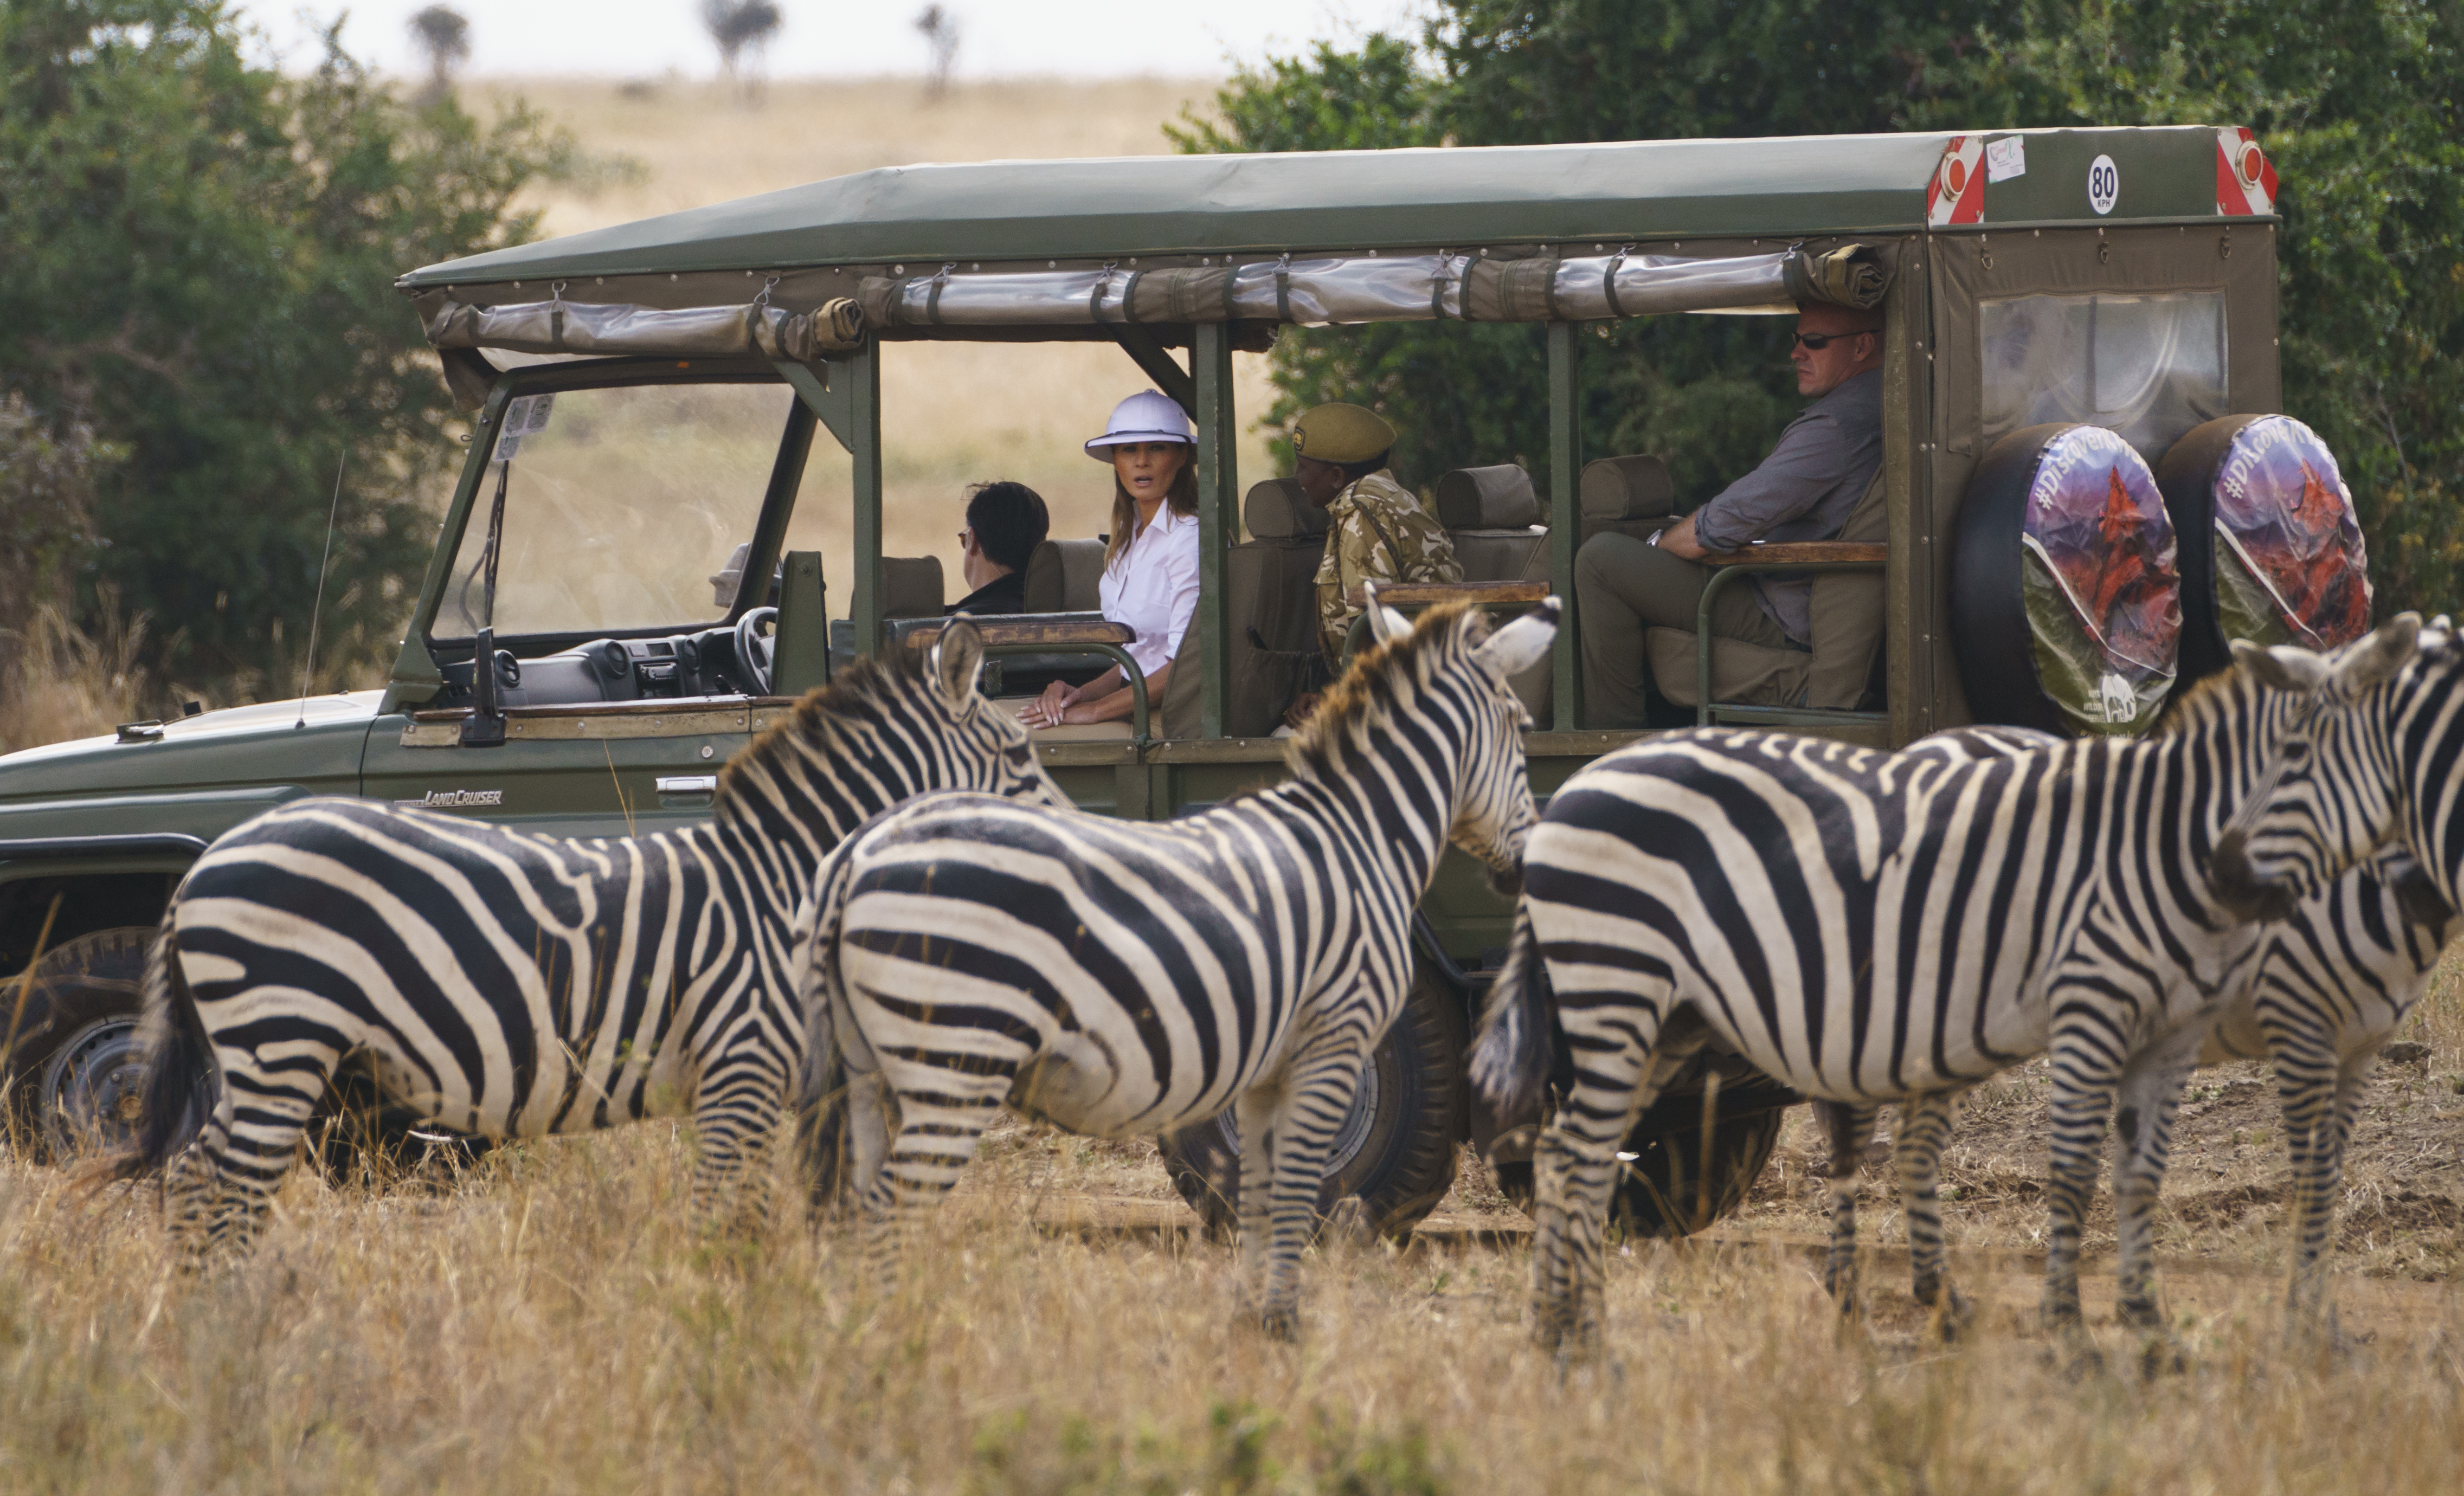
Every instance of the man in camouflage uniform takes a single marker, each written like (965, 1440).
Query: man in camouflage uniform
(1378, 531)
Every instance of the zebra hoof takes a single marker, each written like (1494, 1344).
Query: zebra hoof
(1952, 1311)
(1281, 1322)
(2140, 1314)
(2161, 1356)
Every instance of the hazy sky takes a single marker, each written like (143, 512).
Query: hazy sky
(624, 38)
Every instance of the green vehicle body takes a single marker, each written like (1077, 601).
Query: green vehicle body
(95, 834)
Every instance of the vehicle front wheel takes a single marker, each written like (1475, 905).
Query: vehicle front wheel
(1395, 1149)
(74, 1075)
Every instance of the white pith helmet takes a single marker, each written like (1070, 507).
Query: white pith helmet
(1146, 416)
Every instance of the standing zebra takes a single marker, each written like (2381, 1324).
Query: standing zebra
(1871, 927)
(1120, 978)
(523, 985)
(2334, 979)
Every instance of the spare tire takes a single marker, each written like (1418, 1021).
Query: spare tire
(2066, 591)
(2270, 550)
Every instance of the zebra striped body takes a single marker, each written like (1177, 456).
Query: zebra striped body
(1120, 977)
(522, 985)
(2332, 982)
(1869, 927)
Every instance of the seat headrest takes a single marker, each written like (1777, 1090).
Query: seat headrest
(1627, 488)
(911, 587)
(1276, 510)
(1487, 498)
(1064, 576)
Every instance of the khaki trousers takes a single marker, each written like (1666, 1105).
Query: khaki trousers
(1622, 587)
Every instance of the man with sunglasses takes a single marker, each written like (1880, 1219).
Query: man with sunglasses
(1803, 490)
(1005, 522)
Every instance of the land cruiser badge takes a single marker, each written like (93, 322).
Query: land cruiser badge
(455, 799)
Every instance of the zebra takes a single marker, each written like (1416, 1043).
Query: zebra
(1865, 927)
(2334, 980)
(513, 984)
(1120, 978)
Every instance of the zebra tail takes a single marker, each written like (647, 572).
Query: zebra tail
(821, 1077)
(1511, 1060)
(184, 1082)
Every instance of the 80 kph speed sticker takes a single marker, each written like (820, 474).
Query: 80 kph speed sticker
(2104, 184)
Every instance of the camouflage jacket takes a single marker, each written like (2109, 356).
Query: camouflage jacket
(1377, 532)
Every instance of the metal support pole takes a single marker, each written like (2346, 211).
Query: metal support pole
(1565, 520)
(864, 377)
(1218, 503)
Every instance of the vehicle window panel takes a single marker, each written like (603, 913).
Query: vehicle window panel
(2146, 367)
(621, 505)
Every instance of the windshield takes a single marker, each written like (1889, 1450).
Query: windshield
(621, 508)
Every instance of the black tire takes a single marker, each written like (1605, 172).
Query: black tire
(1395, 1152)
(75, 1076)
(1661, 1189)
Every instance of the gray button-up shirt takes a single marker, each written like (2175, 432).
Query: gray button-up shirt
(1803, 490)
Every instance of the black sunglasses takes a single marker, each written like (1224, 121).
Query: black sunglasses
(1816, 343)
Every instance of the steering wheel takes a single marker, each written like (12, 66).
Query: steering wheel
(753, 650)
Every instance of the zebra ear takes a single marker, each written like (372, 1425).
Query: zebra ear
(1384, 622)
(1521, 644)
(2386, 650)
(2282, 667)
(959, 660)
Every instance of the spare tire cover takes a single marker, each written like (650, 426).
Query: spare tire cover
(2066, 598)
(2283, 560)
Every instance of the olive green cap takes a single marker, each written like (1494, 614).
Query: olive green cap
(1341, 432)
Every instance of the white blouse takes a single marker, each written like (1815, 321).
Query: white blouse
(1153, 587)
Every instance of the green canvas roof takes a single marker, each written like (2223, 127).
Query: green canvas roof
(1305, 202)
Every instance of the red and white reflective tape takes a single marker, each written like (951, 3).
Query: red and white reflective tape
(2245, 178)
(1956, 195)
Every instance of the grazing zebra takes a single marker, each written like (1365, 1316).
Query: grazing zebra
(522, 985)
(1122, 979)
(1868, 927)
(2332, 982)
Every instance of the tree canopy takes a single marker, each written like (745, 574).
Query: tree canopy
(2358, 104)
(200, 252)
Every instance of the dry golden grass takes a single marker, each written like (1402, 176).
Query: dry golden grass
(953, 413)
(552, 1321)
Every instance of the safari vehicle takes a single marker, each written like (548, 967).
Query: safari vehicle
(641, 613)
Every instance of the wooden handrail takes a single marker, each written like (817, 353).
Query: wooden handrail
(1414, 594)
(1796, 553)
(1005, 632)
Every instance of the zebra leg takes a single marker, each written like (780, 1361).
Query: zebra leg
(1925, 1122)
(219, 1190)
(2319, 1198)
(1850, 1126)
(736, 1113)
(941, 1114)
(1316, 1093)
(2149, 1094)
(2307, 1088)
(1575, 1172)
(2085, 1071)
(1255, 1113)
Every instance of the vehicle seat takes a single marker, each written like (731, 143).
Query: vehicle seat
(911, 587)
(1492, 516)
(1841, 674)
(1269, 585)
(1626, 495)
(1062, 576)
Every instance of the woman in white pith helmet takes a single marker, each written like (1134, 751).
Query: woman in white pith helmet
(1150, 579)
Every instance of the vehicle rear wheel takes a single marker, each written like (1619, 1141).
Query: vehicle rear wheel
(1395, 1150)
(75, 1076)
(1668, 1187)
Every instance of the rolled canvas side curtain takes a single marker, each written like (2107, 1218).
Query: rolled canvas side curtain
(689, 331)
(1380, 288)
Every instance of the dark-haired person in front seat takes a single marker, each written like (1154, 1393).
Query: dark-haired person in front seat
(1005, 522)
(1803, 490)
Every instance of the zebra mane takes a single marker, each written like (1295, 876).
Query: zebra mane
(822, 723)
(2207, 700)
(1371, 688)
